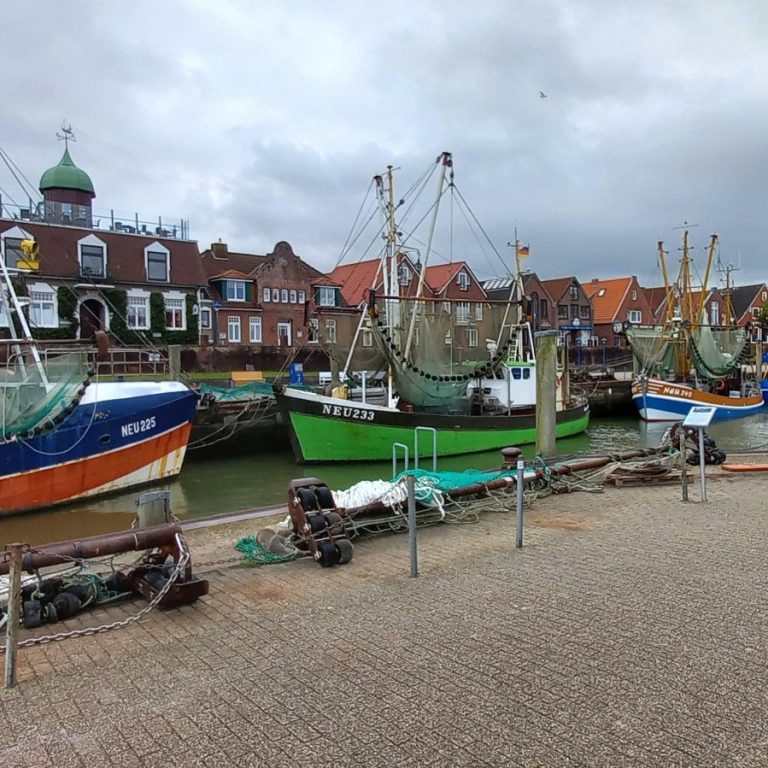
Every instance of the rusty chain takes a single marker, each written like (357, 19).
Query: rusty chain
(45, 639)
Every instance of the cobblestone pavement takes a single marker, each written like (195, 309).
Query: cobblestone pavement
(629, 631)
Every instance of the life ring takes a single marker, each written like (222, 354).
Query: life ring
(720, 386)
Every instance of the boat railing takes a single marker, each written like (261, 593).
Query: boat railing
(116, 361)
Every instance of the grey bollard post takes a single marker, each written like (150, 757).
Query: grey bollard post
(174, 362)
(546, 391)
(702, 464)
(410, 484)
(683, 466)
(519, 516)
(14, 614)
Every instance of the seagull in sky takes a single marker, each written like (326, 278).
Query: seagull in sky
(542, 95)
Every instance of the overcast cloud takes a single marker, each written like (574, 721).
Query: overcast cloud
(265, 121)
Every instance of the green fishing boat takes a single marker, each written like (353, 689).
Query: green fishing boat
(441, 381)
(326, 429)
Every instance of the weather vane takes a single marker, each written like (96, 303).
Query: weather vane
(66, 135)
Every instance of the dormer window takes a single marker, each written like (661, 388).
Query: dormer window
(158, 263)
(463, 280)
(326, 297)
(404, 274)
(92, 253)
(234, 290)
(11, 246)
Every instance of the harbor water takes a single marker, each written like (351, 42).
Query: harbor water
(218, 483)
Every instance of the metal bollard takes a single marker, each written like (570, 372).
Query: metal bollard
(14, 614)
(683, 466)
(520, 489)
(410, 484)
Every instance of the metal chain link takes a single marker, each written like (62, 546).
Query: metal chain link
(45, 639)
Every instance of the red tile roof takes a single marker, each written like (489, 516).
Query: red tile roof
(356, 279)
(557, 287)
(607, 297)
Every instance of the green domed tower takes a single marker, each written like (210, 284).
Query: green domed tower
(68, 193)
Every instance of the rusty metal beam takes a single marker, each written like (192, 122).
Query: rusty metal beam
(97, 546)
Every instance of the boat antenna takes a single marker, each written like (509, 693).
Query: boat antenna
(726, 271)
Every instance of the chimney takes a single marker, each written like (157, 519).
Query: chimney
(219, 250)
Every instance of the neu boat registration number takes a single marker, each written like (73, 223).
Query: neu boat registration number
(348, 412)
(137, 427)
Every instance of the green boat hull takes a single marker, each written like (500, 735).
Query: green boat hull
(328, 430)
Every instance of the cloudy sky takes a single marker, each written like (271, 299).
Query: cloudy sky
(265, 121)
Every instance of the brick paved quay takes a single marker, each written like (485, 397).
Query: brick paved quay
(630, 631)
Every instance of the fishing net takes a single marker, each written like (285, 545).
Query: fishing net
(250, 391)
(653, 350)
(452, 342)
(717, 352)
(37, 392)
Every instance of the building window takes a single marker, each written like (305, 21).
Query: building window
(584, 312)
(302, 297)
(462, 312)
(293, 296)
(574, 310)
(635, 316)
(233, 329)
(463, 281)
(92, 261)
(714, 313)
(544, 308)
(634, 295)
(447, 307)
(765, 296)
(254, 330)
(138, 313)
(13, 252)
(175, 314)
(367, 338)
(330, 331)
(755, 312)
(478, 311)
(601, 293)
(42, 309)
(205, 318)
(403, 274)
(471, 337)
(573, 291)
(266, 294)
(234, 290)
(312, 327)
(284, 295)
(157, 263)
(326, 297)
(562, 311)
(276, 295)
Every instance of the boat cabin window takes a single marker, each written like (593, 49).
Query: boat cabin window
(526, 373)
(517, 373)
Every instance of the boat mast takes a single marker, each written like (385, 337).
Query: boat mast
(447, 162)
(710, 254)
(26, 334)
